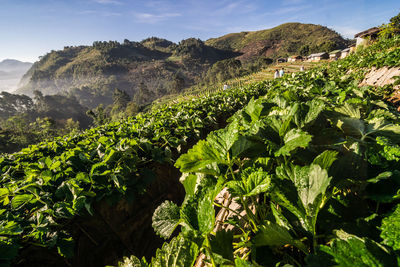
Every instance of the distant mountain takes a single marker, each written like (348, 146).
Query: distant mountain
(11, 71)
(92, 73)
(158, 66)
(12, 65)
(282, 41)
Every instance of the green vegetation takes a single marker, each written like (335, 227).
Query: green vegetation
(313, 166)
(309, 162)
(282, 41)
(25, 121)
(45, 187)
(92, 73)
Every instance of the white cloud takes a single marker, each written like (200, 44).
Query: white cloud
(105, 2)
(291, 2)
(154, 18)
(240, 7)
(100, 13)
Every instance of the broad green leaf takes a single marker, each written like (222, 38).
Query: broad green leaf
(179, 252)
(254, 109)
(391, 229)
(165, 219)
(206, 214)
(351, 126)
(287, 198)
(98, 168)
(111, 156)
(10, 228)
(190, 183)
(132, 261)
(4, 191)
(350, 250)
(188, 214)
(222, 140)
(245, 147)
(316, 107)
(20, 200)
(63, 210)
(221, 246)
(199, 159)
(242, 263)
(326, 159)
(48, 162)
(349, 110)
(252, 183)
(257, 182)
(274, 235)
(311, 182)
(384, 187)
(293, 139)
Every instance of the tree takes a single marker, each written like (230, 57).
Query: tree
(143, 95)
(13, 104)
(177, 84)
(131, 109)
(395, 21)
(304, 50)
(98, 115)
(120, 99)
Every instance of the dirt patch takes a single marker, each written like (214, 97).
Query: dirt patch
(384, 76)
(381, 77)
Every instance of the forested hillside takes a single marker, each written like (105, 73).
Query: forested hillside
(155, 67)
(144, 71)
(282, 41)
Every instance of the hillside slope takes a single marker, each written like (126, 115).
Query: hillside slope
(91, 73)
(281, 41)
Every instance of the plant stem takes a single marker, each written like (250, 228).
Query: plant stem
(208, 248)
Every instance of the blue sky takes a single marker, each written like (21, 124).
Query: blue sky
(31, 28)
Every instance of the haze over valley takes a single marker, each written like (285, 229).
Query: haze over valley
(11, 72)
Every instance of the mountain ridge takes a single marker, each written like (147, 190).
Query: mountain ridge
(159, 66)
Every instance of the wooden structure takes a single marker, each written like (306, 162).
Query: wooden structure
(318, 57)
(295, 58)
(363, 37)
(281, 60)
(345, 52)
(335, 54)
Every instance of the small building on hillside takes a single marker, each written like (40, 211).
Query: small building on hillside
(363, 37)
(295, 58)
(353, 48)
(345, 52)
(318, 57)
(335, 54)
(281, 60)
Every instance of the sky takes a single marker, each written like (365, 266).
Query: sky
(32, 28)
